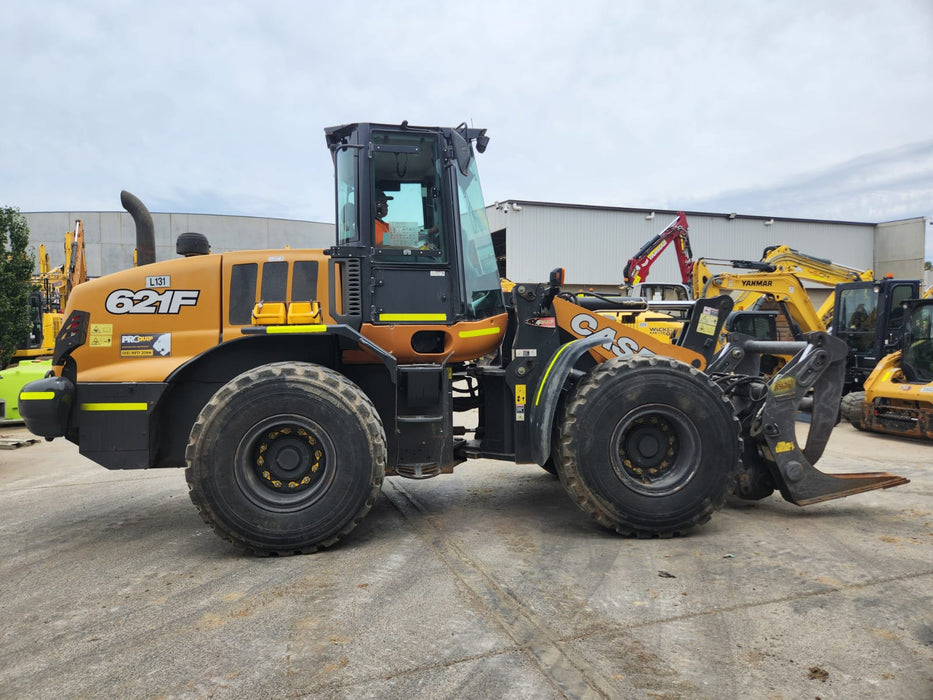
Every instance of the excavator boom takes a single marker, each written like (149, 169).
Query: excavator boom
(639, 265)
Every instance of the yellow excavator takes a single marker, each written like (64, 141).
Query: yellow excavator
(51, 288)
(777, 278)
(867, 314)
(773, 281)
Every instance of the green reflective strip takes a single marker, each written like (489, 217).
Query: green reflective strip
(481, 331)
(315, 328)
(114, 406)
(36, 395)
(548, 371)
(412, 317)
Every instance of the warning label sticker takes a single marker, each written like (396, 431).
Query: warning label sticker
(101, 335)
(146, 345)
(708, 319)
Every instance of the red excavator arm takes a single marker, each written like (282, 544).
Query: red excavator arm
(637, 268)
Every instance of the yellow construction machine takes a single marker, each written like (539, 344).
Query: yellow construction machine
(48, 296)
(865, 313)
(289, 383)
(777, 278)
(770, 301)
(51, 287)
(898, 394)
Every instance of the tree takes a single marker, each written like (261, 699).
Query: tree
(16, 266)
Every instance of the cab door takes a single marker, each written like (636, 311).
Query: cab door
(411, 264)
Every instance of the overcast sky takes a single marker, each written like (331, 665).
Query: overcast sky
(796, 108)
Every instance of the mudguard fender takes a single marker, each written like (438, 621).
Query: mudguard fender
(547, 393)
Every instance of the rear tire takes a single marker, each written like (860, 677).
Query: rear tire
(649, 446)
(286, 458)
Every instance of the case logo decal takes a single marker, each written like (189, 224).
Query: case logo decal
(623, 346)
(149, 301)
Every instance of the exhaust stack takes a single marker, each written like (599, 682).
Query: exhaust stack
(145, 229)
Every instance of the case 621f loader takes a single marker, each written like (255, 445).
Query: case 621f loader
(290, 382)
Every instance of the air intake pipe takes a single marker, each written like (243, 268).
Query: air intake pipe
(145, 229)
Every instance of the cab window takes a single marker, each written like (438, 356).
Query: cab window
(347, 231)
(406, 199)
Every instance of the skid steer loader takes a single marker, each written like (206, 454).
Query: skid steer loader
(289, 383)
(898, 394)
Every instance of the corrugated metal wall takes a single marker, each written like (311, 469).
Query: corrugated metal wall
(899, 247)
(110, 237)
(594, 243)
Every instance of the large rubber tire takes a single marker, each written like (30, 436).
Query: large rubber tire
(286, 458)
(649, 446)
(852, 408)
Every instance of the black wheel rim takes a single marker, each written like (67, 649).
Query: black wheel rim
(285, 463)
(655, 450)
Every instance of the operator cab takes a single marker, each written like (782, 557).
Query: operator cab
(412, 235)
(869, 317)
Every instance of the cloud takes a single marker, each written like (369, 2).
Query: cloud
(219, 107)
(874, 187)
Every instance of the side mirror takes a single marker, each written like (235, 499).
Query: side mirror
(462, 151)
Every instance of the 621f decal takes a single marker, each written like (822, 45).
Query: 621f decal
(149, 301)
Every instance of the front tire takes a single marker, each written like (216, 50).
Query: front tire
(286, 458)
(649, 446)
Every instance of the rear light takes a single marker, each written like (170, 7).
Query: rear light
(72, 334)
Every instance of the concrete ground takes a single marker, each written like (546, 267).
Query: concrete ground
(485, 583)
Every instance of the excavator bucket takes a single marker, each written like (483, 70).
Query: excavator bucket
(817, 365)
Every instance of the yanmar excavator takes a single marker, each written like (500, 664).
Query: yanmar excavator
(777, 277)
(289, 383)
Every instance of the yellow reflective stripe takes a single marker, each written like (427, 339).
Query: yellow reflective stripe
(36, 395)
(114, 406)
(412, 317)
(548, 371)
(315, 328)
(481, 331)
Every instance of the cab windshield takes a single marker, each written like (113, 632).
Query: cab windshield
(480, 273)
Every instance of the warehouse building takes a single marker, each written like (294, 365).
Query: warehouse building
(591, 242)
